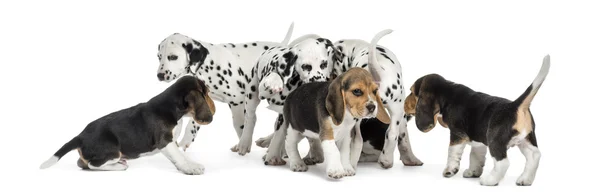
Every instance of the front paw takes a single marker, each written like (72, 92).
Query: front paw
(350, 171)
(234, 148)
(450, 171)
(525, 180)
(488, 180)
(298, 166)
(271, 84)
(386, 161)
(273, 160)
(411, 161)
(244, 147)
(190, 168)
(336, 172)
(472, 173)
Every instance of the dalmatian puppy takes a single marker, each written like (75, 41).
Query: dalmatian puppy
(381, 63)
(380, 139)
(225, 68)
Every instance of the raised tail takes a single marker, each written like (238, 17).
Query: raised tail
(288, 36)
(374, 66)
(67, 147)
(525, 99)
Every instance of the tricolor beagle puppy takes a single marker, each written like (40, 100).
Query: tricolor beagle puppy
(480, 120)
(328, 112)
(142, 130)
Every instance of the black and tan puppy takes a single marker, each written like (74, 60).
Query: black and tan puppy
(328, 112)
(481, 120)
(141, 130)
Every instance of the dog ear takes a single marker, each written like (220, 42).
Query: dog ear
(382, 114)
(335, 101)
(426, 107)
(410, 103)
(205, 94)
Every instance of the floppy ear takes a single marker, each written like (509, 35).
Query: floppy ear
(209, 101)
(335, 102)
(382, 114)
(410, 103)
(425, 114)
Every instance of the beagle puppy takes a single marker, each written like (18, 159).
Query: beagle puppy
(483, 121)
(328, 113)
(144, 129)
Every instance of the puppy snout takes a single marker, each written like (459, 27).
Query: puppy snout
(161, 76)
(371, 108)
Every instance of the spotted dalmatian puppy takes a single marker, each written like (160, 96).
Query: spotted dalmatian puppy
(381, 62)
(225, 68)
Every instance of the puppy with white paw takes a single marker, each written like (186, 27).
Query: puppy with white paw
(144, 129)
(328, 112)
(483, 121)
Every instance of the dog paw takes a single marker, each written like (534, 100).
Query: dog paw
(263, 142)
(191, 168)
(271, 84)
(234, 148)
(273, 161)
(298, 166)
(488, 180)
(411, 161)
(336, 172)
(525, 180)
(313, 160)
(243, 147)
(350, 171)
(450, 171)
(472, 173)
(385, 162)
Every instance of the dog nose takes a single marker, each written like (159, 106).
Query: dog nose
(371, 108)
(161, 76)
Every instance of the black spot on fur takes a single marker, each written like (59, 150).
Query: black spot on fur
(253, 44)
(245, 45)
(394, 86)
(266, 47)
(253, 88)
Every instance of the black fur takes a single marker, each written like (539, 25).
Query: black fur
(306, 105)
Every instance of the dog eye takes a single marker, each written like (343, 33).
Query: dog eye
(357, 92)
(375, 91)
(323, 65)
(172, 57)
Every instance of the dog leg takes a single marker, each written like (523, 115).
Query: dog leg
(335, 169)
(364, 157)
(108, 165)
(264, 141)
(177, 129)
(292, 139)
(315, 152)
(181, 162)
(407, 156)
(251, 102)
(455, 152)
(501, 165)
(476, 161)
(237, 115)
(532, 156)
(189, 135)
(356, 146)
(345, 155)
(273, 156)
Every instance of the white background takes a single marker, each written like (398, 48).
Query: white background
(65, 64)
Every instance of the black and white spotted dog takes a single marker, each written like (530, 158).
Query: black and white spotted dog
(380, 139)
(225, 68)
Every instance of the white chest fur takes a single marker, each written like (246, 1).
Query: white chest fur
(340, 131)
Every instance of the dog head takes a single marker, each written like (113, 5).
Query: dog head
(192, 98)
(176, 54)
(355, 91)
(422, 102)
(315, 59)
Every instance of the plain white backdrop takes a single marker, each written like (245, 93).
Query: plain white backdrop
(65, 64)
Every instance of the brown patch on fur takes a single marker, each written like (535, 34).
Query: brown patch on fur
(326, 132)
(81, 157)
(523, 124)
(410, 104)
(209, 102)
(461, 141)
(441, 121)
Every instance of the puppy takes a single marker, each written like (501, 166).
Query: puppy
(142, 130)
(480, 120)
(328, 113)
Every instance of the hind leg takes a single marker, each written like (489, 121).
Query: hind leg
(109, 162)
(532, 157)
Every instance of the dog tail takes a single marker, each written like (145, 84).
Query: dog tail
(525, 99)
(67, 147)
(302, 38)
(288, 36)
(374, 66)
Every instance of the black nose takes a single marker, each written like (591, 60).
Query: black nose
(371, 108)
(161, 76)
